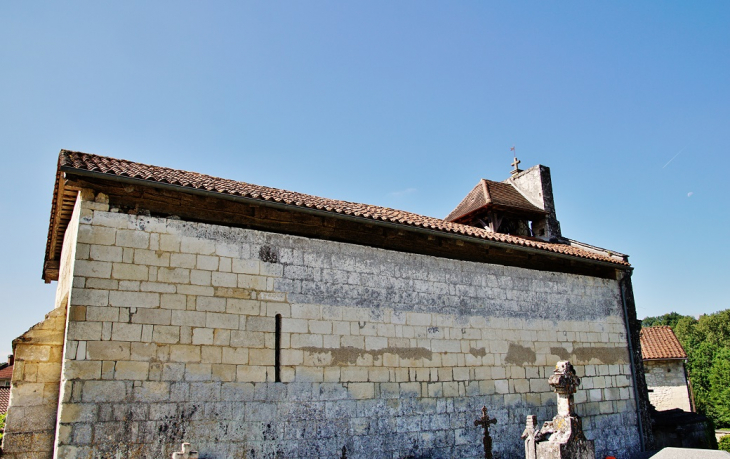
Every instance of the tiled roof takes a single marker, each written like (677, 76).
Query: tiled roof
(7, 372)
(4, 399)
(660, 343)
(492, 194)
(70, 161)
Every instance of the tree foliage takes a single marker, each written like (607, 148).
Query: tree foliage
(707, 343)
(724, 443)
(2, 425)
(670, 319)
(719, 393)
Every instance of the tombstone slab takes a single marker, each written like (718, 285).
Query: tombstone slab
(186, 453)
(529, 437)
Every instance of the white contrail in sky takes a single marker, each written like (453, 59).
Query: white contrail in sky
(680, 151)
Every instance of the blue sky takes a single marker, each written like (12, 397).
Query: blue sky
(402, 104)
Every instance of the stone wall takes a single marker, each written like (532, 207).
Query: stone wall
(668, 384)
(68, 254)
(536, 185)
(172, 337)
(31, 421)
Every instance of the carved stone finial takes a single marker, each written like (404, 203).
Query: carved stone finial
(565, 383)
(564, 380)
(185, 453)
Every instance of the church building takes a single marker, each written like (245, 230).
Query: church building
(254, 322)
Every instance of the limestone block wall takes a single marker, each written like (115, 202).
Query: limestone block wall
(173, 333)
(668, 384)
(31, 419)
(30, 427)
(68, 254)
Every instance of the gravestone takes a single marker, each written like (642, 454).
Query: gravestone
(561, 438)
(529, 437)
(186, 453)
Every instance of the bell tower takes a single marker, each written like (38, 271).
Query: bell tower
(536, 185)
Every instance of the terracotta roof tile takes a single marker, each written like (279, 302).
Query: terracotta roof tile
(492, 194)
(660, 343)
(4, 399)
(71, 160)
(7, 372)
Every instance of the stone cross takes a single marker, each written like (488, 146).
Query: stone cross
(529, 436)
(515, 164)
(484, 422)
(186, 453)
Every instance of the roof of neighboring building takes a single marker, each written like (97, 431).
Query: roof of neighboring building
(6, 372)
(492, 194)
(659, 343)
(111, 168)
(4, 399)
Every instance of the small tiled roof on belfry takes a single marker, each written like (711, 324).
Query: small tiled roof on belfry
(660, 343)
(6, 373)
(492, 194)
(4, 399)
(71, 162)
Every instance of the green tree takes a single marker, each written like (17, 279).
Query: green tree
(715, 328)
(699, 364)
(2, 425)
(686, 332)
(724, 443)
(670, 319)
(719, 394)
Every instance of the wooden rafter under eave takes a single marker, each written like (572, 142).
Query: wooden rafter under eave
(64, 199)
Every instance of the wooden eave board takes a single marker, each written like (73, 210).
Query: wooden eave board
(61, 213)
(260, 216)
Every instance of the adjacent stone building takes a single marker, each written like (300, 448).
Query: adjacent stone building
(666, 376)
(255, 322)
(6, 373)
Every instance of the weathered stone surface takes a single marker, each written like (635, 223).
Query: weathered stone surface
(562, 437)
(668, 384)
(386, 352)
(34, 396)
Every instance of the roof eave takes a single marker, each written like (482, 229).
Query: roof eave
(69, 170)
(663, 358)
(529, 213)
